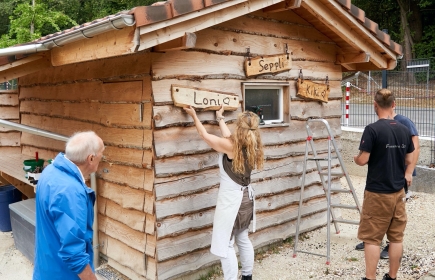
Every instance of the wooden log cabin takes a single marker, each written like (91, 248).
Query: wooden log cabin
(158, 183)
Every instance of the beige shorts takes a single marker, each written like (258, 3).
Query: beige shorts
(382, 213)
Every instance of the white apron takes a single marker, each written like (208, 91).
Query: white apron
(228, 203)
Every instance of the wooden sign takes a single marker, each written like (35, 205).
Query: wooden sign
(267, 64)
(312, 91)
(203, 98)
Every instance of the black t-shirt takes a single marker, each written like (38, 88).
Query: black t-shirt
(388, 142)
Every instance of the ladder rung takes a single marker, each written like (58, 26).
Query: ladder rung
(344, 206)
(314, 158)
(306, 252)
(332, 173)
(346, 221)
(341, 190)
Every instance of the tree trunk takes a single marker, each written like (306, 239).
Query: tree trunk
(408, 42)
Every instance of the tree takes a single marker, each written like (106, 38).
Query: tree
(44, 20)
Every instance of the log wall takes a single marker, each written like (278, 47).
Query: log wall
(106, 96)
(186, 169)
(9, 110)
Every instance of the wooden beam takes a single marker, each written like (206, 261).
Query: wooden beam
(185, 42)
(283, 6)
(353, 58)
(108, 44)
(159, 33)
(24, 188)
(23, 67)
(346, 30)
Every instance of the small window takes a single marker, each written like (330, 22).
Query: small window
(265, 100)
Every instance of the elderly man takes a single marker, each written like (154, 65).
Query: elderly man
(65, 212)
(386, 146)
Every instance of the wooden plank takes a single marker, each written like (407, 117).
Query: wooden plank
(10, 99)
(43, 153)
(126, 256)
(283, 6)
(10, 139)
(130, 273)
(132, 238)
(108, 44)
(203, 98)
(179, 224)
(260, 26)
(150, 249)
(102, 238)
(185, 42)
(9, 150)
(309, 90)
(132, 218)
(288, 16)
(133, 177)
(111, 115)
(186, 204)
(125, 196)
(122, 137)
(351, 58)
(102, 223)
(162, 88)
(126, 156)
(86, 91)
(4, 128)
(151, 268)
(11, 168)
(171, 247)
(305, 110)
(181, 164)
(101, 205)
(222, 41)
(42, 143)
(9, 112)
(335, 91)
(149, 203)
(168, 115)
(150, 224)
(24, 188)
(171, 66)
(137, 65)
(185, 184)
(18, 69)
(267, 65)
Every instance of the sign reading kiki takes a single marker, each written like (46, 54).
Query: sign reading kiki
(203, 98)
(267, 64)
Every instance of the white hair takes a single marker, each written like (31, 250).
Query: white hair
(82, 144)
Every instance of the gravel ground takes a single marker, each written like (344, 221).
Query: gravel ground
(347, 263)
(278, 262)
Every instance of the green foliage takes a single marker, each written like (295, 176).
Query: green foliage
(45, 21)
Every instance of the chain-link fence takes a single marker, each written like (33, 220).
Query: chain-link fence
(414, 90)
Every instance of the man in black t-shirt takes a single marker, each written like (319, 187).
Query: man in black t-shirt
(386, 146)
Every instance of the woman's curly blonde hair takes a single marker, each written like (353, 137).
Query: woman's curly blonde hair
(247, 137)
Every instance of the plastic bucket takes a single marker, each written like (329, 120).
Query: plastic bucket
(8, 195)
(30, 165)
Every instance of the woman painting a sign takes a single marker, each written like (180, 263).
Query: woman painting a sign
(239, 154)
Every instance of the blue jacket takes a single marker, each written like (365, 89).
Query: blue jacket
(64, 218)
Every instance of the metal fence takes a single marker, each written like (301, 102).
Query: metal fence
(12, 84)
(414, 90)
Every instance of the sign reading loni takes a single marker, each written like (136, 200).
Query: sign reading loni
(203, 98)
(267, 64)
(312, 91)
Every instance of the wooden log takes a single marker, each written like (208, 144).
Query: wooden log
(267, 64)
(111, 115)
(132, 238)
(150, 224)
(9, 112)
(185, 42)
(182, 164)
(204, 99)
(123, 137)
(171, 247)
(126, 256)
(149, 203)
(186, 204)
(170, 115)
(132, 91)
(288, 17)
(126, 156)
(125, 196)
(305, 110)
(136, 178)
(294, 149)
(10, 99)
(151, 268)
(11, 139)
(150, 249)
(132, 218)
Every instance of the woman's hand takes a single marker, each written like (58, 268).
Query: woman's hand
(190, 111)
(220, 112)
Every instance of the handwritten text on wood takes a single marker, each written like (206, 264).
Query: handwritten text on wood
(267, 64)
(312, 91)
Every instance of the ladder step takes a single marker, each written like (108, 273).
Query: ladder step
(344, 206)
(332, 173)
(314, 158)
(341, 190)
(346, 221)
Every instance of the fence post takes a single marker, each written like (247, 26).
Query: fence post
(347, 102)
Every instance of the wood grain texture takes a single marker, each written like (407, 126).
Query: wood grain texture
(125, 196)
(136, 178)
(10, 139)
(9, 112)
(132, 218)
(126, 256)
(10, 99)
(132, 238)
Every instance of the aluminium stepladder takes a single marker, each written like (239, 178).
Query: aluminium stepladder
(325, 178)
